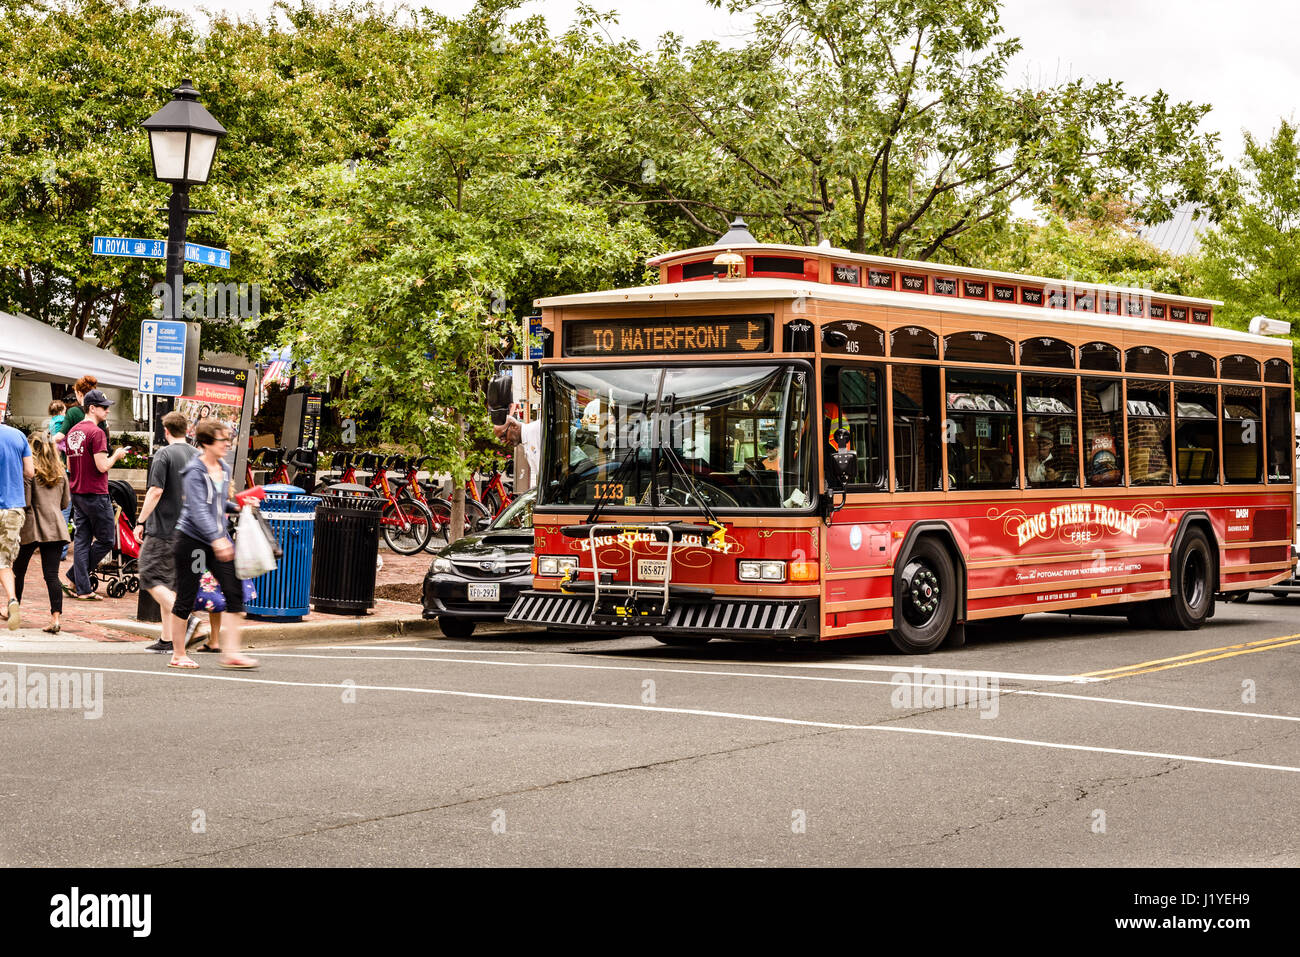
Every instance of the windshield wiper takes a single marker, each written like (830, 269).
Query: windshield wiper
(622, 466)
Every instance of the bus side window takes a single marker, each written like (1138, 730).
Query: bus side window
(1103, 432)
(857, 396)
(1148, 433)
(917, 420)
(1196, 434)
(1279, 425)
(1050, 441)
(981, 430)
(1243, 435)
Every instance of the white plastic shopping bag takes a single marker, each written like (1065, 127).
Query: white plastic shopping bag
(253, 555)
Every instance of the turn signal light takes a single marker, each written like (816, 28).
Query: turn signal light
(803, 571)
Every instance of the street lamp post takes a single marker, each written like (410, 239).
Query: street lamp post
(183, 140)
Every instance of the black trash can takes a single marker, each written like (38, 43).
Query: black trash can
(346, 550)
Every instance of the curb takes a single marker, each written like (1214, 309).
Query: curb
(262, 633)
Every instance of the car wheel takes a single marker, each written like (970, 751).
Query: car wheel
(925, 601)
(1192, 580)
(455, 627)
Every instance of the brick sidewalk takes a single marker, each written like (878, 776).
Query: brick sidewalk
(85, 618)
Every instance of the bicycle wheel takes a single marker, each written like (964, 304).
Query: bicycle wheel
(476, 516)
(406, 526)
(440, 512)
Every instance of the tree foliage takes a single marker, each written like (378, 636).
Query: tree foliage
(432, 255)
(77, 77)
(888, 126)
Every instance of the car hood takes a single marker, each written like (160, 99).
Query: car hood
(490, 545)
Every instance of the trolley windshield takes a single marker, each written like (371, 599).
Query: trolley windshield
(729, 437)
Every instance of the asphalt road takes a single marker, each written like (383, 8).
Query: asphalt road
(519, 749)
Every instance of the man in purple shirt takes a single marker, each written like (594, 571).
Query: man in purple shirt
(92, 509)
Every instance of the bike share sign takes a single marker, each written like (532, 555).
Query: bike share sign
(162, 357)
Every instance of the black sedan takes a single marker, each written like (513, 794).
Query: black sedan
(479, 577)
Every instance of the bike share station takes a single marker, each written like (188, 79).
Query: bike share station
(325, 544)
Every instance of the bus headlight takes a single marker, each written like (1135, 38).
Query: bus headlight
(762, 571)
(553, 566)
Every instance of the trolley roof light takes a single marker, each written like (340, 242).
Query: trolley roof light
(183, 138)
(734, 262)
(1264, 326)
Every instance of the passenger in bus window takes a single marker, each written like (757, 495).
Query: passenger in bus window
(1039, 466)
(1001, 470)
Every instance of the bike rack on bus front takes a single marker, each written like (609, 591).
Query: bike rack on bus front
(606, 594)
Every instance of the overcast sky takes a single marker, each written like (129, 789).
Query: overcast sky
(1237, 55)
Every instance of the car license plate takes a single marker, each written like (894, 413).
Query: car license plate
(490, 592)
(652, 569)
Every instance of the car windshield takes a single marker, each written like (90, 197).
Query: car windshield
(518, 514)
(731, 437)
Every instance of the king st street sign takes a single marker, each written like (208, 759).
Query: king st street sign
(157, 249)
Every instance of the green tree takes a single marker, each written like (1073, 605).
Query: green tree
(1107, 249)
(434, 253)
(77, 77)
(1252, 260)
(887, 126)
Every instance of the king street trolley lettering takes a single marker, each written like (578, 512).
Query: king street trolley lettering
(698, 334)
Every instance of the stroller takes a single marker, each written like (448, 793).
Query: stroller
(120, 568)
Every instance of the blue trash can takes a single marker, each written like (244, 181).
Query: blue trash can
(285, 594)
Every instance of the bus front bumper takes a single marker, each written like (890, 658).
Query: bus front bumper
(717, 617)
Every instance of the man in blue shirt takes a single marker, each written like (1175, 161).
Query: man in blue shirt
(15, 466)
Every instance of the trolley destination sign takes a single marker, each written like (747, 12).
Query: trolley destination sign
(693, 334)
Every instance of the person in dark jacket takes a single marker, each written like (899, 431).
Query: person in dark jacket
(201, 543)
(44, 528)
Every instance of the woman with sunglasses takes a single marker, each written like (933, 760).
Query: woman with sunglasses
(203, 545)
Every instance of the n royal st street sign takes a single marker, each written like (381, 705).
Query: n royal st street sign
(157, 249)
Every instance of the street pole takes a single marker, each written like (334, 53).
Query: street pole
(178, 222)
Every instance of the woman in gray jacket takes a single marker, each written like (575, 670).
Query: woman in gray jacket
(44, 527)
(201, 543)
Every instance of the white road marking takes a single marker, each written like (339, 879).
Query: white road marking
(775, 677)
(828, 665)
(696, 712)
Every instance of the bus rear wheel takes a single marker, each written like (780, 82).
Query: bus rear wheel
(925, 600)
(1191, 581)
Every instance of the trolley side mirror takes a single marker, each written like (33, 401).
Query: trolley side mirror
(844, 466)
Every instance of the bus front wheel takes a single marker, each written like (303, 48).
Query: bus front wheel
(1192, 578)
(925, 600)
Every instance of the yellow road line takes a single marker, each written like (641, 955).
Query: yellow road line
(1194, 658)
(1190, 654)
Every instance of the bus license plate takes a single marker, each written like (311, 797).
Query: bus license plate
(652, 569)
(490, 592)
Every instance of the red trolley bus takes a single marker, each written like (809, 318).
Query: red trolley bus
(804, 443)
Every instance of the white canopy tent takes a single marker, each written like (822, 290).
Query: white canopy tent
(35, 350)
